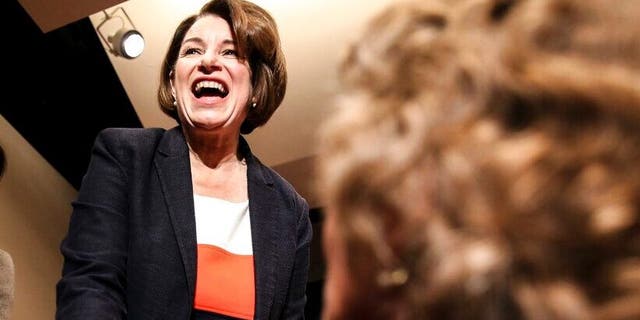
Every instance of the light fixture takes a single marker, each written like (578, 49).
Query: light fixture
(126, 41)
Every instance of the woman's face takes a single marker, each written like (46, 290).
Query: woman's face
(210, 83)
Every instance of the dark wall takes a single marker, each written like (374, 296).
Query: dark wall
(61, 89)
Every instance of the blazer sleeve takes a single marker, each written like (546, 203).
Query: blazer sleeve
(93, 282)
(296, 298)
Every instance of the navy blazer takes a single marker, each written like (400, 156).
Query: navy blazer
(130, 251)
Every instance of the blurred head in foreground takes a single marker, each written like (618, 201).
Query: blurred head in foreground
(484, 163)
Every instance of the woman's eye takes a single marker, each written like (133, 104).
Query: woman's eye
(229, 53)
(191, 51)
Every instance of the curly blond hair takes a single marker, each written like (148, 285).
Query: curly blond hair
(484, 162)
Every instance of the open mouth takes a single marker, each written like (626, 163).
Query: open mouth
(209, 89)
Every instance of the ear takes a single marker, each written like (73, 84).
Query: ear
(173, 89)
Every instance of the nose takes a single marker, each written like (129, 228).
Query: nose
(210, 61)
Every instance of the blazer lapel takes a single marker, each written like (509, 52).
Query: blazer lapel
(263, 231)
(174, 172)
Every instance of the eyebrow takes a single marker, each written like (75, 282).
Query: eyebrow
(200, 40)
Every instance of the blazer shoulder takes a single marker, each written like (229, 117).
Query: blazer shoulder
(128, 142)
(131, 135)
(282, 185)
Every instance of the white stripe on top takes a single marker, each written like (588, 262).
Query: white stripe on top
(223, 224)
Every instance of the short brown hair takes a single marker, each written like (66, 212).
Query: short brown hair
(258, 41)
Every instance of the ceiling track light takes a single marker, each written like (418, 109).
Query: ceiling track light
(126, 41)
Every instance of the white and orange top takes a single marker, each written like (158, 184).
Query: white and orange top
(225, 276)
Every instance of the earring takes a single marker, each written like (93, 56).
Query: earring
(175, 103)
(253, 105)
(392, 278)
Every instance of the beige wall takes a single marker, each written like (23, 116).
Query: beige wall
(35, 204)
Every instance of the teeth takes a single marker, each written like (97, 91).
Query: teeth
(210, 84)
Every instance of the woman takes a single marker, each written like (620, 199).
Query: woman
(187, 223)
(484, 164)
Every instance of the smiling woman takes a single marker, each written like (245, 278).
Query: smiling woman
(255, 41)
(164, 217)
(210, 82)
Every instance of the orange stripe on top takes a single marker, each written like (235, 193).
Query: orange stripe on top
(225, 282)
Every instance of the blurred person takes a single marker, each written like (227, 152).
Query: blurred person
(187, 223)
(7, 283)
(7, 268)
(484, 164)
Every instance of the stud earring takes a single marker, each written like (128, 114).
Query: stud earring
(175, 103)
(253, 105)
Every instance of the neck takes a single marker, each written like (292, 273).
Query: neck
(213, 150)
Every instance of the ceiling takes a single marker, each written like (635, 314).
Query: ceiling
(65, 86)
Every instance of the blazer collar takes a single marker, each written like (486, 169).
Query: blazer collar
(174, 144)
